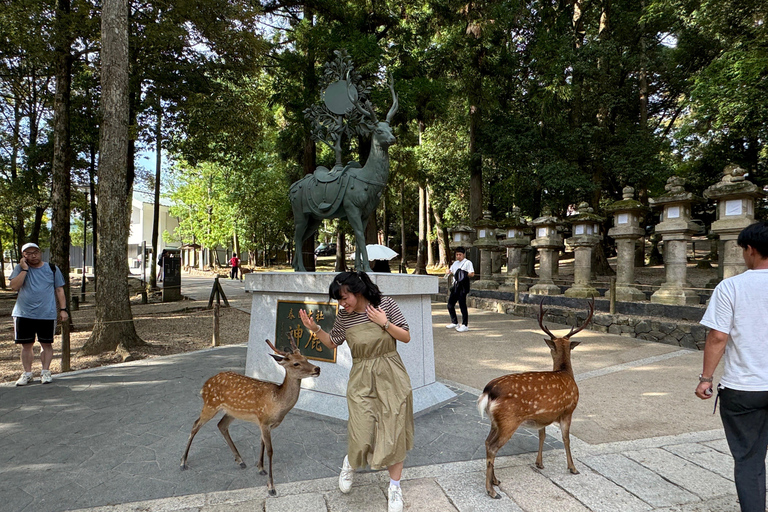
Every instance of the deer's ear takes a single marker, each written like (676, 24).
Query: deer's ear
(574, 344)
(277, 357)
(550, 343)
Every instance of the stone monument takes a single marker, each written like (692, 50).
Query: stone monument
(326, 395)
(675, 230)
(586, 235)
(549, 243)
(735, 197)
(626, 230)
(486, 241)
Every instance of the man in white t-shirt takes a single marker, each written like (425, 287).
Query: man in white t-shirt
(738, 318)
(462, 269)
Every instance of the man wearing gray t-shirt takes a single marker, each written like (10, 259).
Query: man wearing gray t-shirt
(41, 288)
(738, 324)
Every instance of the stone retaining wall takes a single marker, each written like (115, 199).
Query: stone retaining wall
(682, 333)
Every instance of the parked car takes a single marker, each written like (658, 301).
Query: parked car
(325, 250)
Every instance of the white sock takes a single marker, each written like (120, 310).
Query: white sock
(396, 483)
(28, 374)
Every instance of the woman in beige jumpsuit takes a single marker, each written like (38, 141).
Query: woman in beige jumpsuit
(379, 397)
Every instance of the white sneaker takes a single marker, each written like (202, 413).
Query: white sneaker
(395, 498)
(462, 328)
(451, 326)
(346, 477)
(45, 377)
(25, 379)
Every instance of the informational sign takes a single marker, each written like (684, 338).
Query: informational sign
(288, 320)
(673, 212)
(623, 218)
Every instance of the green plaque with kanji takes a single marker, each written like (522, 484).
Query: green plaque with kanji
(288, 320)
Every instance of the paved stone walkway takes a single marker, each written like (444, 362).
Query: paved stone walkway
(111, 438)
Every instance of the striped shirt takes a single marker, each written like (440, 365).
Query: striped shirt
(347, 319)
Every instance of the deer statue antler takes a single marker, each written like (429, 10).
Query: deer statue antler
(370, 113)
(395, 102)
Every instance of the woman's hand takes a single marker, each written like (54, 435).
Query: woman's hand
(308, 322)
(376, 315)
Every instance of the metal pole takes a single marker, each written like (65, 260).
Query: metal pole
(612, 309)
(215, 342)
(144, 264)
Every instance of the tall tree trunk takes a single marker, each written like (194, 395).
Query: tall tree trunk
(309, 149)
(37, 223)
(475, 157)
(444, 248)
(430, 247)
(156, 206)
(341, 249)
(3, 286)
(62, 151)
(94, 213)
(403, 243)
(421, 252)
(114, 329)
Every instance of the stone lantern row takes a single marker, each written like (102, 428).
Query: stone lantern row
(735, 198)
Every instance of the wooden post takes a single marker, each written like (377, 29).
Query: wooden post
(517, 289)
(612, 309)
(65, 347)
(215, 342)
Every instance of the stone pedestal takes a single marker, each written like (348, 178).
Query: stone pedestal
(586, 235)
(486, 242)
(549, 243)
(735, 198)
(326, 395)
(676, 230)
(626, 231)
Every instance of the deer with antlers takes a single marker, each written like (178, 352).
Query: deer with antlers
(248, 399)
(536, 399)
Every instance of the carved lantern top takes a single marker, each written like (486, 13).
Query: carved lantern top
(486, 232)
(461, 236)
(627, 214)
(676, 193)
(586, 226)
(733, 185)
(545, 231)
(516, 228)
(735, 198)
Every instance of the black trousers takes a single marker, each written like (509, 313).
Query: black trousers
(459, 295)
(233, 272)
(745, 421)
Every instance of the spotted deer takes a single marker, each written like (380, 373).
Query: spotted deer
(248, 399)
(535, 399)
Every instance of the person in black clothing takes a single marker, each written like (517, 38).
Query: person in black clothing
(462, 270)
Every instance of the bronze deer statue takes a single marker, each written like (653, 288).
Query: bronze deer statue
(248, 399)
(536, 399)
(350, 192)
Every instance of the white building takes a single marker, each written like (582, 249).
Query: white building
(141, 229)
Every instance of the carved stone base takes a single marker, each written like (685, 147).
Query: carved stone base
(581, 292)
(626, 294)
(674, 294)
(545, 289)
(485, 284)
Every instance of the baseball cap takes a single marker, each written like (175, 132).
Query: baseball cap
(30, 245)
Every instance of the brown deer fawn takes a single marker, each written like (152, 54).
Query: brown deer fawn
(248, 399)
(536, 399)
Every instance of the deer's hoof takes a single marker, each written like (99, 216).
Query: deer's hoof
(262, 472)
(574, 471)
(183, 466)
(272, 492)
(242, 465)
(540, 465)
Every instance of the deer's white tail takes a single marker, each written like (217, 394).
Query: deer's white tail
(482, 404)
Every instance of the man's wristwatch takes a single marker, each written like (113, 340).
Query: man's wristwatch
(704, 379)
(64, 309)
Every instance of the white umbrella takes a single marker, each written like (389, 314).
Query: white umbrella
(379, 252)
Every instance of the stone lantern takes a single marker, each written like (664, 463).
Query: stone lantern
(549, 243)
(517, 238)
(586, 235)
(626, 230)
(676, 230)
(487, 242)
(735, 198)
(461, 236)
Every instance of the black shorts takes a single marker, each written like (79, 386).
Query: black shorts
(25, 330)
